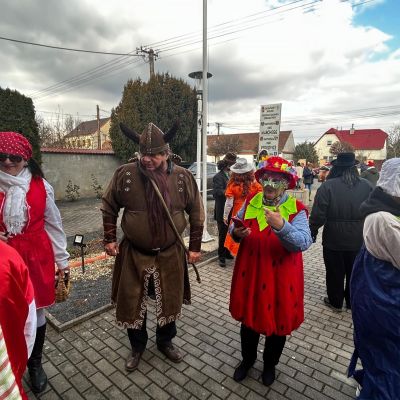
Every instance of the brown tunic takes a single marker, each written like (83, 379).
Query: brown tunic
(134, 266)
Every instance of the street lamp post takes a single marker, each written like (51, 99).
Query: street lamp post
(201, 176)
(206, 235)
(202, 98)
(198, 77)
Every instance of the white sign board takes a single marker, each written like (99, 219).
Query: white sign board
(270, 122)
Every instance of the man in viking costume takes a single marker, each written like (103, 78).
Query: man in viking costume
(150, 261)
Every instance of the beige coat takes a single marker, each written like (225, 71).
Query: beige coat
(134, 266)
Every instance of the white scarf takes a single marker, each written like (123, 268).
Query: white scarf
(15, 210)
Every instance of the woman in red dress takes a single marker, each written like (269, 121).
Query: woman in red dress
(31, 223)
(268, 284)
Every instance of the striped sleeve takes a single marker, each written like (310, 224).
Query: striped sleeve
(8, 386)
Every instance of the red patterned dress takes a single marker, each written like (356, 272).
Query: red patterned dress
(268, 283)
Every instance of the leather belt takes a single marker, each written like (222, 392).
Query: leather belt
(151, 252)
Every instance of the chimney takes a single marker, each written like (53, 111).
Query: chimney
(352, 129)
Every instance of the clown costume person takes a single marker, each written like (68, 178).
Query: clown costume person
(268, 283)
(31, 223)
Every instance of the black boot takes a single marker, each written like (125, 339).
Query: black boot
(241, 371)
(36, 371)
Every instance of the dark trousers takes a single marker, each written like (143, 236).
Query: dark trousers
(338, 265)
(222, 231)
(138, 337)
(274, 345)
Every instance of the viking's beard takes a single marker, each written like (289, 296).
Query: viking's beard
(156, 214)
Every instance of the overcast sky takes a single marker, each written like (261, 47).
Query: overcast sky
(322, 60)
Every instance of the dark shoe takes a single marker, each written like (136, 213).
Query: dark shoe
(36, 371)
(241, 371)
(328, 303)
(170, 352)
(222, 262)
(132, 362)
(229, 256)
(268, 376)
(37, 375)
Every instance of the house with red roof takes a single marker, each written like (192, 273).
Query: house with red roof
(249, 144)
(368, 144)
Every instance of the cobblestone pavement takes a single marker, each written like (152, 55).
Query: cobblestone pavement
(81, 216)
(84, 216)
(87, 361)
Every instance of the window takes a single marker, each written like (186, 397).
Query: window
(329, 143)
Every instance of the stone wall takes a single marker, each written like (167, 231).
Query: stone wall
(78, 166)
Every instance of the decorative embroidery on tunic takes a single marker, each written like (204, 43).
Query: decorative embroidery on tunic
(167, 320)
(157, 290)
(143, 304)
(138, 323)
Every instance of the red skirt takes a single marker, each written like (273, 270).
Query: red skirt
(267, 293)
(36, 250)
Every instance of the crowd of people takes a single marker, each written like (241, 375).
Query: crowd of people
(261, 225)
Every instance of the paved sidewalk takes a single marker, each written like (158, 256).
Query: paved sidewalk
(87, 361)
(84, 217)
(81, 216)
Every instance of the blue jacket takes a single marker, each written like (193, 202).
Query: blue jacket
(375, 304)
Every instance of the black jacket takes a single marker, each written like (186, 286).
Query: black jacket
(308, 175)
(380, 201)
(337, 207)
(220, 181)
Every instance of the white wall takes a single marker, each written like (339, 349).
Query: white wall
(322, 147)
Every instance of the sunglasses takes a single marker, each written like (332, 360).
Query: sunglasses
(13, 158)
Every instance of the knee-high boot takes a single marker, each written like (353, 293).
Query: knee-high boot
(36, 371)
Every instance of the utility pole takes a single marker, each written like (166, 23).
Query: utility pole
(98, 128)
(219, 124)
(149, 55)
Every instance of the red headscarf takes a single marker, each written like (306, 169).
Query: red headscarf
(16, 144)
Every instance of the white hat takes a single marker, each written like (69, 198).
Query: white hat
(389, 177)
(241, 166)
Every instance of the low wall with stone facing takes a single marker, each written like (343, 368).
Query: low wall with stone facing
(78, 166)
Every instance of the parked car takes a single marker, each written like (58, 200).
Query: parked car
(211, 171)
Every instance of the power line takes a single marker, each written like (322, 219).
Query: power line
(99, 71)
(326, 118)
(108, 67)
(64, 113)
(62, 88)
(68, 48)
